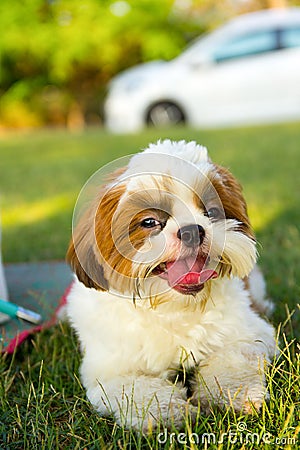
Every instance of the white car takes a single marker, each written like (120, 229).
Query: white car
(245, 72)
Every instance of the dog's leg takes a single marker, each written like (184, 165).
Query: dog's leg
(235, 377)
(141, 402)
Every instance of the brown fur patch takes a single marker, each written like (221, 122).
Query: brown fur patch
(93, 234)
(109, 234)
(232, 199)
(82, 258)
(109, 231)
(122, 229)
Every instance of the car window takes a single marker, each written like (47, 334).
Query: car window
(290, 37)
(246, 45)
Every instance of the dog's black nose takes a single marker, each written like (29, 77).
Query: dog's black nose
(191, 235)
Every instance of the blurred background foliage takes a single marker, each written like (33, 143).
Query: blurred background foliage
(57, 56)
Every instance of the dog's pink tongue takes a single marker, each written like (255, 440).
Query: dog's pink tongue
(188, 272)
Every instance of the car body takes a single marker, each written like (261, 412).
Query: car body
(245, 72)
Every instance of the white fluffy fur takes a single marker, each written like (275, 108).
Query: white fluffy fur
(131, 350)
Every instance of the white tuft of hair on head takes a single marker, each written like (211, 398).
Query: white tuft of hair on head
(182, 160)
(189, 151)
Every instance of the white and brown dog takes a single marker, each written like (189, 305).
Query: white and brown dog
(166, 293)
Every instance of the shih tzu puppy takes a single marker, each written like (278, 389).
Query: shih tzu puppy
(166, 298)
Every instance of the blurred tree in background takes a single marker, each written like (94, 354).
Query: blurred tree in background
(57, 56)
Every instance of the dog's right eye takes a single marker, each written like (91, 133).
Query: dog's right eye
(150, 223)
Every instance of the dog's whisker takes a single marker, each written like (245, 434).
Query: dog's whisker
(134, 300)
(138, 285)
(148, 271)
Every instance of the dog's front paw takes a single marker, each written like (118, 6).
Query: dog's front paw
(236, 382)
(143, 403)
(157, 415)
(177, 413)
(244, 400)
(250, 407)
(252, 399)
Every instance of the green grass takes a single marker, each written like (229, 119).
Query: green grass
(42, 402)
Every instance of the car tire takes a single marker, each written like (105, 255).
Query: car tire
(164, 114)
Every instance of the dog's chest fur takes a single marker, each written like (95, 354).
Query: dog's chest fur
(159, 340)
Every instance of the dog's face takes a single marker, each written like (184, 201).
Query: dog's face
(171, 222)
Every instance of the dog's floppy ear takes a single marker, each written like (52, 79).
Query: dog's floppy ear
(232, 198)
(83, 261)
(92, 244)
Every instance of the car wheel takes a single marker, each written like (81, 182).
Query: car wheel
(165, 114)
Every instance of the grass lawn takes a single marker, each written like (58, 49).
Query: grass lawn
(42, 403)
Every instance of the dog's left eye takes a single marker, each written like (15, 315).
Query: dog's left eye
(150, 223)
(214, 213)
